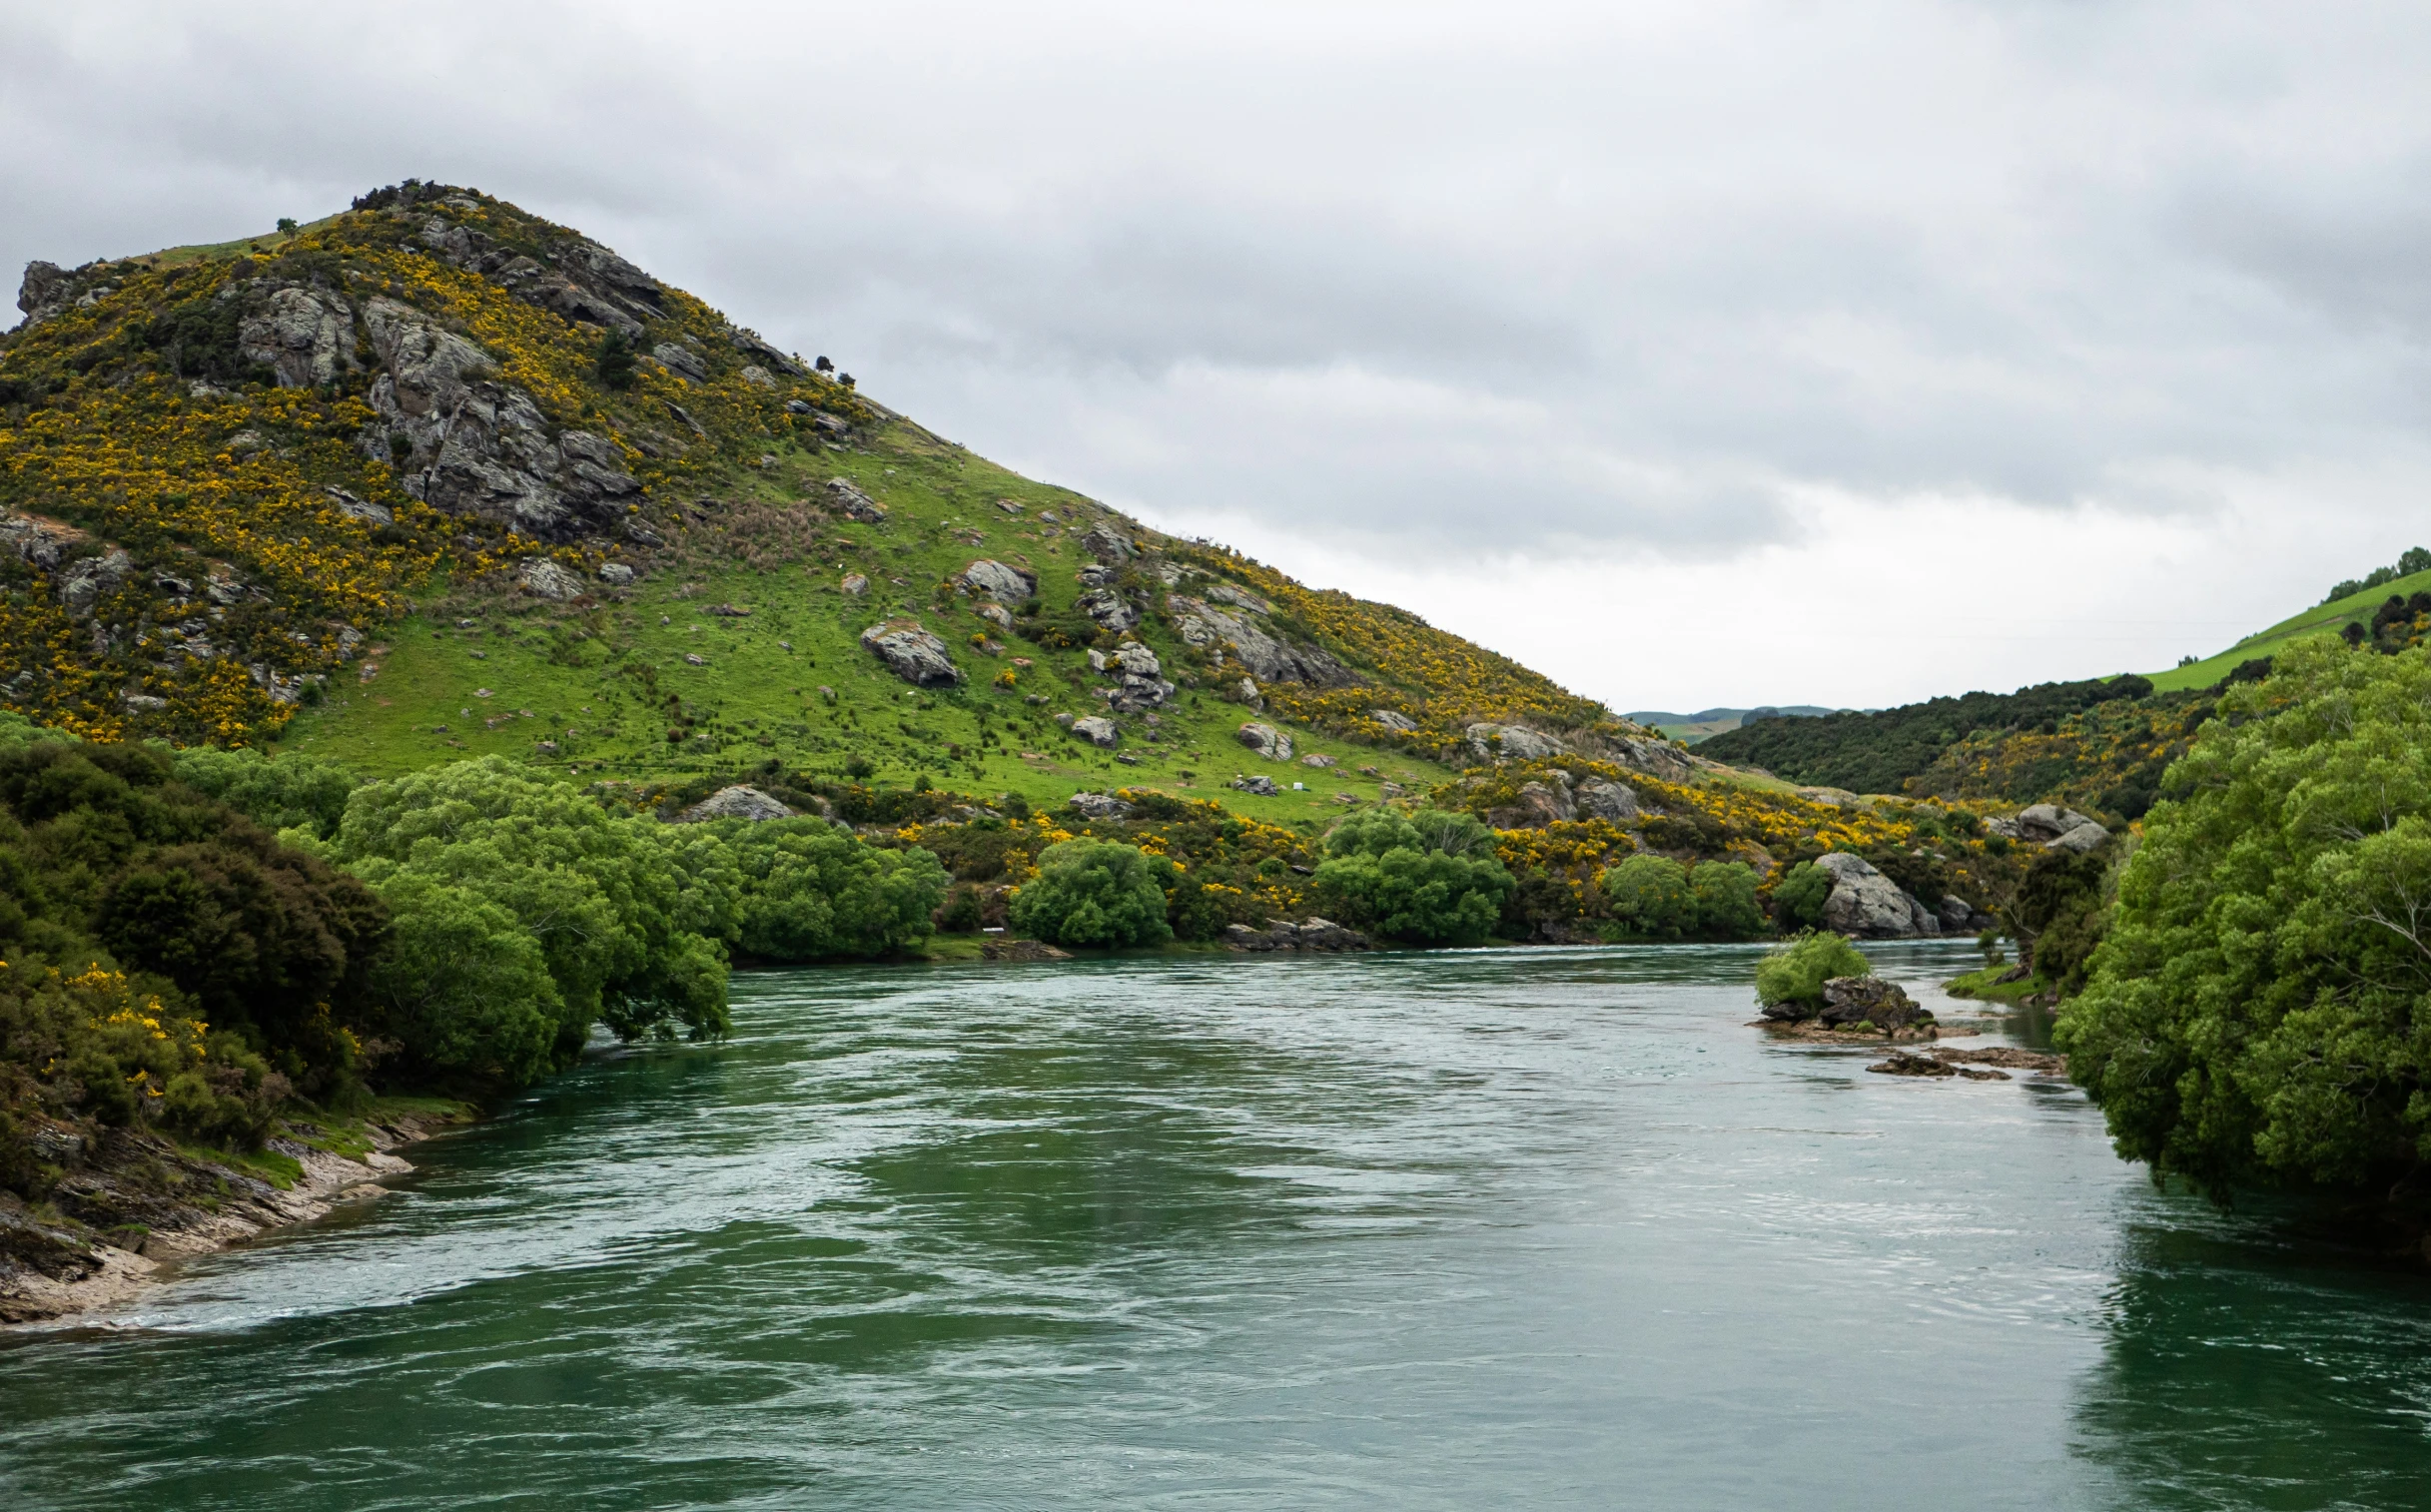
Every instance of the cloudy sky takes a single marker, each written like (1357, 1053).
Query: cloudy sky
(1694, 353)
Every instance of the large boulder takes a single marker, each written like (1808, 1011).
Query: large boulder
(544, 578)
(1101, 806)
(912, 655)
(1487, 741)
(1850, 1001)
(304, 336)
(739, 802)
(2087, 836)
(1598, 799)
(1110, 609)
(1656, 758)
(997, 580)
(2043, 823)
(1258, 786)
(1537, 805)
(1107, 545)
(1398, 723)
(1867, 905)
(1097, 730)
(855, 503)
(1266, 741)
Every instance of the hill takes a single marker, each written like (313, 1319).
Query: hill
(434, 477)
(2354, 609)
(1689, 729)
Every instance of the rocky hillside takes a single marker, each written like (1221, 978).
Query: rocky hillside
(434, 478)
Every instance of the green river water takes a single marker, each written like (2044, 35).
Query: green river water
(1517, 1228)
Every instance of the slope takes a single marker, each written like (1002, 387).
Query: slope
(434, 477)
(2322, 619)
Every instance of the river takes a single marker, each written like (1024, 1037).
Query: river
(1510, 1228)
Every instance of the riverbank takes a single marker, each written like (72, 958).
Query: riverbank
(131, 1207)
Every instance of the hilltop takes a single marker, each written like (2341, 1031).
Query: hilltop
(434, 478)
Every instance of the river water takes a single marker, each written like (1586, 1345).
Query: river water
(1525, 1228)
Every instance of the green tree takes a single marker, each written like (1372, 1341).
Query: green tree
(2260, 1011)
(1095, 893)
(1429, 879)
(463, 987)
(813, 892)
(1796, 970)
(616, 361)
(1725, 892)
(1650, 899)
(596, 891)
(1799, 897)
(289, 791)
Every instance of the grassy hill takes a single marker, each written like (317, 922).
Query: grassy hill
(2322, 619)
(434, 477)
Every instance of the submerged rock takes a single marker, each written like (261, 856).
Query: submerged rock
(1283, 935)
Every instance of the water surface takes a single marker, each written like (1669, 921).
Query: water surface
(1544, 1229)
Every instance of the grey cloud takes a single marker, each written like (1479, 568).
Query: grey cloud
(1446, 285)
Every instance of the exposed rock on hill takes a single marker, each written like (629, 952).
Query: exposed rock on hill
(1519, 743)
(1870, 906)
(1266, 741)
(1264, 657)
(912, 655)
(739, 802)
(997, 580)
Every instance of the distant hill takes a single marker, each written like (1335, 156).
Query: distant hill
(1690, 729)
(2356, 608)
(434, 478)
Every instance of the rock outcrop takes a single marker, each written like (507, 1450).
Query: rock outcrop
(1867, 905)
(1398, 723)
(468, 444)
(1598, 799)
(1537, 804)
(1266, 740)
(738, 802)
(1283, 935)
(1518, 742)
(544, 578)
(1109, 610)
(2057, 829)
(994, 579)
(1850, 1001)
(855, 503)
(1257, 786)
(1107, 545)
(1101, 806)
(1264, 655)
(912, 655)
(1099, 731)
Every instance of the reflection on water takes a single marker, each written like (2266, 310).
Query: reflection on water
(1541, 1228)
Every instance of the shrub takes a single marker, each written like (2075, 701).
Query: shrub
(1799, 897)
(289, 791)
(1650, 899)
(1430, 879)
(615, 363)
(1095, 893)
(1725, 892)
(1794, 971)
(463, 987)
(812, 892)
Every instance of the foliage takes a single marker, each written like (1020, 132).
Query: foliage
(616, 930)
(1656, 898)
(1799, 898)
(812, 892)
(2058, 913)
(1878, 752)
(289, 791)
(1429, 879)
(2414, 559)
(2259, 1011)
(2107, 759)
(1796, 970)
(1096, 893)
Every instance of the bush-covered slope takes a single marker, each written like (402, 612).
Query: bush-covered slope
(434, 477)
(1878, 752)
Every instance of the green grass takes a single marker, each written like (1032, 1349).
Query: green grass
(2329, 619)
(522, 672)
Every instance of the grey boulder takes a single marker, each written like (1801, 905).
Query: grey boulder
(855, 503)
(1867, 905)
(997, 580)
(1850, 1001)
(544, 578)
(912, 655)
(1097, 730)
(738, 802)
(1259, 786)
(1488, 742)
(1598, 799)
(1101, 806)
(1266, 741)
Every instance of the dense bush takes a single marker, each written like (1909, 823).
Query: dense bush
(2059, 913)
(812, 892)
(1876, 752)
(1656, 898)
(291, 791)
(167, 960)
(1800, 895)
(2255, 1014)
(621, 935)
(1795, 971)
(1429, 879)
(1096, 893)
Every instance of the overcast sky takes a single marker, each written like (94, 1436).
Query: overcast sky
(1693, 354)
